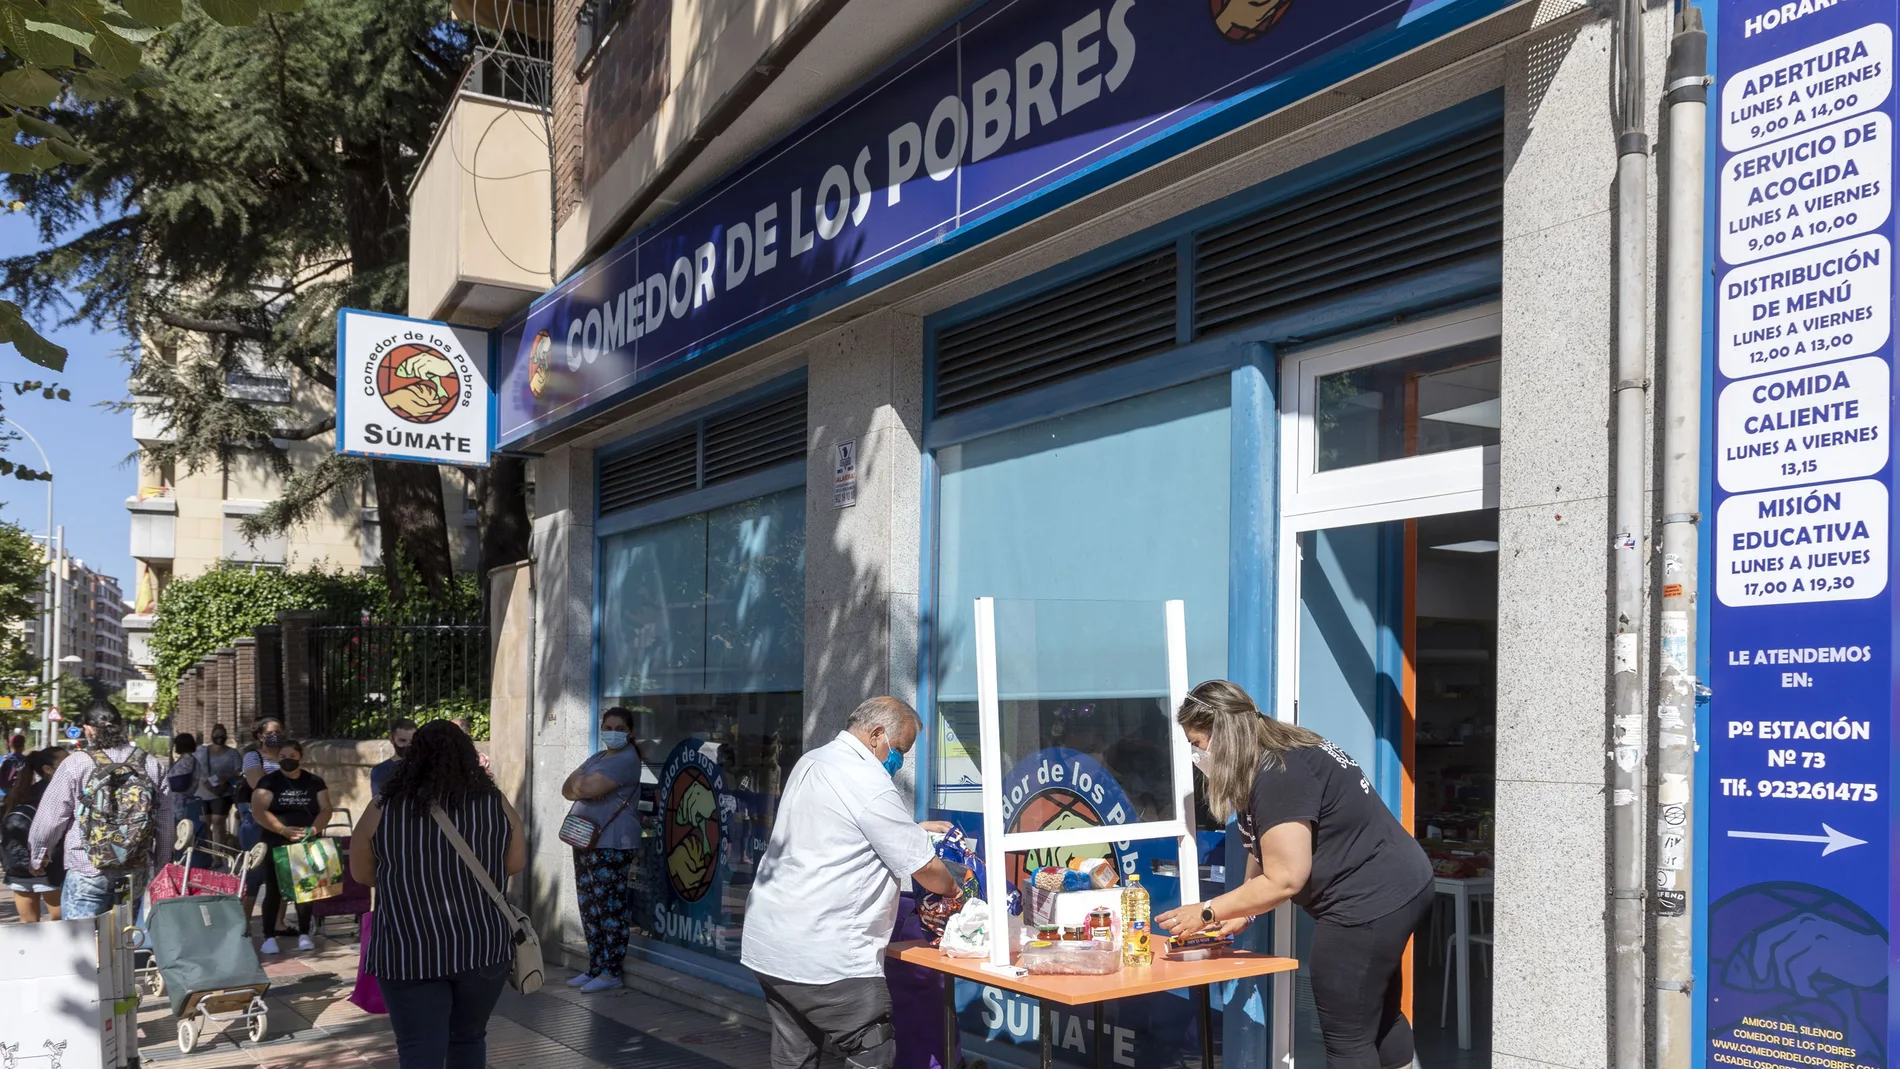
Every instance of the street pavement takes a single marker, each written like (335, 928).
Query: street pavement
(312, 1024)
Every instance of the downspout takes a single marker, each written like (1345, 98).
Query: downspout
(1686, 96)
(1628, 777)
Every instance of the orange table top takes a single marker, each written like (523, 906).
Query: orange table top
(1163, 975)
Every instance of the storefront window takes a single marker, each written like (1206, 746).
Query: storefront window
(702, 637)
(1081, 528)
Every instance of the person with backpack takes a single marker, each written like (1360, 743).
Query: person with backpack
(35, 898)
(108, 810)
(13, 762)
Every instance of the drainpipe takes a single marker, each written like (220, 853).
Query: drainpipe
(1686, 96)
(1628, 777)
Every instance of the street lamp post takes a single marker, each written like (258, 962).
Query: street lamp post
(49, 671)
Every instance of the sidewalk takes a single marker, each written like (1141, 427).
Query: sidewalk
(312, 1025)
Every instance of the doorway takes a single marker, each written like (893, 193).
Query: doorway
(1388, 580)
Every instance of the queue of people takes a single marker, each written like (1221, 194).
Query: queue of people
(438, 836)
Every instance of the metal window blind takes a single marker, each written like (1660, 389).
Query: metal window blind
(1433, 209)
(1109, 318)
(723, 446)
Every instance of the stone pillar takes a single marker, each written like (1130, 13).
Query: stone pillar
(226, 667)
(267, 662)
(185, 707)
(244, 664)
(208, 697)
(299, 712)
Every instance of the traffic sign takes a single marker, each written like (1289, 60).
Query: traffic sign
(19, 704)
(72, 732)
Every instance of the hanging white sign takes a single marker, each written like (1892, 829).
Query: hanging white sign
(412, 389)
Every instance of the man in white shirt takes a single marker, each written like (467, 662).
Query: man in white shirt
(825, 899)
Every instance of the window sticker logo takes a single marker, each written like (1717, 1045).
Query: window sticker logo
(418, 384)
(540, 355)
(1241, 21)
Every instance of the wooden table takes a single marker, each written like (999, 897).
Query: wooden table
(1163, 975)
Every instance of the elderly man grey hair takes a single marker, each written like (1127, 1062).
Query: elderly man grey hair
(889, 713)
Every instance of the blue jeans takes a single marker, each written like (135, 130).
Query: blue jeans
(85, 896)
(442, 1023)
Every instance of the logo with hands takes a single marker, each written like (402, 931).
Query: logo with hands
(692, 835)
(418, 383)
(1241, 21)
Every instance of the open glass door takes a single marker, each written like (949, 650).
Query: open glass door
(1387, 578)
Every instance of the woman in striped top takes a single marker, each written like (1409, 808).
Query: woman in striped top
(440, 948)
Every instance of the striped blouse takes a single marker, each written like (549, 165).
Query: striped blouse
(432, 917)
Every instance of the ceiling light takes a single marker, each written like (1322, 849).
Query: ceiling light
(1476, 545)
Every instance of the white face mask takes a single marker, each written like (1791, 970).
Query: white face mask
(1198, 756)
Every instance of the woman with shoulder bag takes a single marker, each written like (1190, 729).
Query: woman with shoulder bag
(603, 827)
(437, 846)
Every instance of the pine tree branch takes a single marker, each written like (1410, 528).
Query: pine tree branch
(214, 326)
(306, 432)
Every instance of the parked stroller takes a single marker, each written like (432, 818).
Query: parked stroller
(201, 942)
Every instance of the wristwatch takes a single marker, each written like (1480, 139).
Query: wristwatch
(1207, 913)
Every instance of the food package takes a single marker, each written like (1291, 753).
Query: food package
(966, 934)
(1100, 871)
(1194, 946)
(1069, 908)
(1099, 957)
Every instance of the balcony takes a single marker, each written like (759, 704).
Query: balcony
(154, 525)
(257, 387)
(479, 208)
(147, 425)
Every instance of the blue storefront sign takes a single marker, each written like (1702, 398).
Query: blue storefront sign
(1018, 107)
(1800, 886)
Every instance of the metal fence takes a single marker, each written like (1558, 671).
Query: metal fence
(524, 79)
(366, 674)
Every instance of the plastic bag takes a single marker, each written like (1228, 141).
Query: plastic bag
(967, 933)
(309, 869)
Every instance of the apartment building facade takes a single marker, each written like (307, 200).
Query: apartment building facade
(92, 613)
(871, 328)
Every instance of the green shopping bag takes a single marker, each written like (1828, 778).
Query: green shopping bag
(309, 870)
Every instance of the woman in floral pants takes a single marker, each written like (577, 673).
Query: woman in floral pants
(605, 790)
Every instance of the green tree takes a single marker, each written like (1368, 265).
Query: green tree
(67, 50)
(263, 188)
(22, 573)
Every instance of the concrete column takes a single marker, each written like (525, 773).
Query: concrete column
(861, 567)
(561, 687)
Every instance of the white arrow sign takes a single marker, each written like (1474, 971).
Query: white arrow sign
(1835, 840)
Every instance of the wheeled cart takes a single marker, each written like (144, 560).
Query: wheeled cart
(211, 973)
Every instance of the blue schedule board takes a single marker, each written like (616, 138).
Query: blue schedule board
(1800, 887)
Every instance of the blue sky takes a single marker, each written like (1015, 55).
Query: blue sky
(87, 445)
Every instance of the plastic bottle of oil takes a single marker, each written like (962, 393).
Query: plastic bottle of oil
(1135, 949)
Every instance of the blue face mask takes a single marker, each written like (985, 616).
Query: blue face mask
(893, 761)
(613, 740)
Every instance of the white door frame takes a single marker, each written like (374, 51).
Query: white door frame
(1460, 480)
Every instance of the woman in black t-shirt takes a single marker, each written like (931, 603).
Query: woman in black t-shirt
(289, 805)
(1316, 834)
